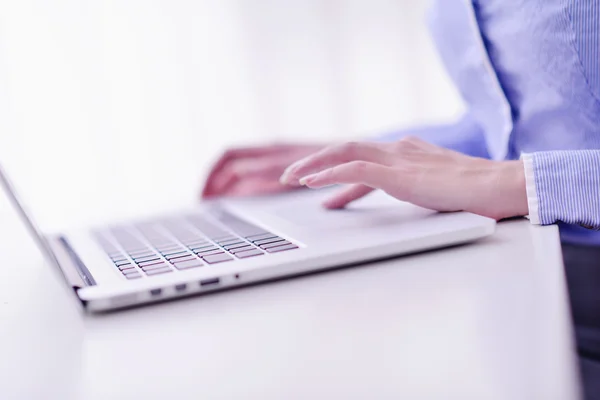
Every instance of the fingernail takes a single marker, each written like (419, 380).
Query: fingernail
(284, 177)
(331, 206)
(287, 175)
(307, 179)
(327, 203)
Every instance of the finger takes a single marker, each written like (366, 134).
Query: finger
(267, 169)
(334, 155)
(220, 183)
(254, 187)
(234, 154)
(370, 174)
(270, 166)
(346, 196)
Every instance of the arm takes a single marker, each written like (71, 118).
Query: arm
(563, 186)
(464, 136)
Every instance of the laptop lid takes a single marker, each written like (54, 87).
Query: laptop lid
(68, 264)
(32, 227)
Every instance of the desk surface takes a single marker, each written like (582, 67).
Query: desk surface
(488, 320)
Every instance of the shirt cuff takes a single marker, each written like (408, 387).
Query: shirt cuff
(532, 198)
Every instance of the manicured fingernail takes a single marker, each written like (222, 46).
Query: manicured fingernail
(327, 204)
(284, 177)
(290, 173)
(307, 179)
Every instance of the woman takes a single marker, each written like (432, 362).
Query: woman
(529, 72)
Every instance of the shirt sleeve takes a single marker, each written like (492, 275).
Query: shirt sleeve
(465, 136)
(563, 186)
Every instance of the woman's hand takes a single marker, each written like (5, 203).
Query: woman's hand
(418, 172)
(253, 170)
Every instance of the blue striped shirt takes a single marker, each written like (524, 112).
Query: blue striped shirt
(529, 71)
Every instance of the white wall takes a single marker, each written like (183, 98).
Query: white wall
(118, 106)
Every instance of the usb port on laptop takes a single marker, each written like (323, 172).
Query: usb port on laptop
(208, 282)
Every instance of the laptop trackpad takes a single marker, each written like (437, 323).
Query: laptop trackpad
(377, 209)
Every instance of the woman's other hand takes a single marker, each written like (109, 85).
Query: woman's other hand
(248, 171)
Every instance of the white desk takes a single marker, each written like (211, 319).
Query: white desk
(484, 321)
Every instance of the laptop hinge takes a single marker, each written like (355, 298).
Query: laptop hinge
(73, 269)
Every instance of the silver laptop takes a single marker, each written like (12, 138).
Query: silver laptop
(229, 243)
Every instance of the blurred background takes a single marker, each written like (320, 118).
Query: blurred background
(116, 108)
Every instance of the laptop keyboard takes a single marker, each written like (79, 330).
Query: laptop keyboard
(182, 243)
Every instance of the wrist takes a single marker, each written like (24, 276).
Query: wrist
(510, 190)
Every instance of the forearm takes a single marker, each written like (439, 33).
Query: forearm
(564, 186)
(464, 136)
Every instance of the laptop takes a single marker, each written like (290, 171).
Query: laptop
(230, 243)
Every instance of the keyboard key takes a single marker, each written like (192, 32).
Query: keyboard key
(133, 276)
(266, 241)
(188, 237)
(188, 264)
(195, 243)
(175, 253)
(230, 242)
(217, 258)
(207, 250)
(174, 257)
(236, 246)
(249, 253)
(147, 258)
(274, 244)
(182, 259)
(205, 246)
(121, 262)
(146, 268)
(140, 254)
(243, 248)
(224, 238)
(159, 240)
(130, 271)
(158, 271)
(126, 266)
(254, 238)
(136, 249)
(246, 232)
(170, 247)
(211, 253)
(151, 262)
(282, 248)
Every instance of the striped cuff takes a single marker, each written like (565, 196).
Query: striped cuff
(563, 185)
(532, 198)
